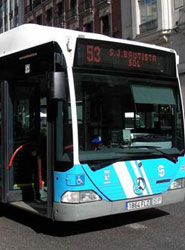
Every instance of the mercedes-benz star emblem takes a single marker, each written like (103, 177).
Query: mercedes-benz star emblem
(139, 185)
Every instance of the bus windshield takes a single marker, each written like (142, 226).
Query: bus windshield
(119, 116)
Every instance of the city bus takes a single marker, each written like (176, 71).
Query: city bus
(91, 125)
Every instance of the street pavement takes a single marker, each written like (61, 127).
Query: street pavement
(158, 229)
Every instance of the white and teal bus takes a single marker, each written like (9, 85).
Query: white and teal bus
(90, 125)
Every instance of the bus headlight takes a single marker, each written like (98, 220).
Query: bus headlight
(178, 183)
(80, 196)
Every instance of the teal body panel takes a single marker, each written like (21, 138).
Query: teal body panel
(119, 181)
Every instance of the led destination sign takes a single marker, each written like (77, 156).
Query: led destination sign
(133, 59)
(118, 56)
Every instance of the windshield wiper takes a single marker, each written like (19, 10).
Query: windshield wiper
(103, 163)
(96, 166)
(169, 157)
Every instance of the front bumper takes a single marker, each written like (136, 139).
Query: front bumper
(83, 211)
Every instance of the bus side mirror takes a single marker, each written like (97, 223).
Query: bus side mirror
(57, 83)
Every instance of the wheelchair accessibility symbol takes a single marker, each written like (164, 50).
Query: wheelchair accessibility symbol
(80, 180)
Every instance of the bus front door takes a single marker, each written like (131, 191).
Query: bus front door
(27, 133)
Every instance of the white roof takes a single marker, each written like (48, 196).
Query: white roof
(31, 35)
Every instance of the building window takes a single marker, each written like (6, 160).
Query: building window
(148, 15)
(88, 27)
(105, 24)
(73, 4)
(16, 3)
(60, 7)
(30, 3)
(16, 21)
(60, 17)
(49, 16)
(39, 19)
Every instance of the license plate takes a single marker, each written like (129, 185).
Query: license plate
(134, 205)
(157, 200)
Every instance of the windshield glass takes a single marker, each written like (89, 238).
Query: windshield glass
(119, 116)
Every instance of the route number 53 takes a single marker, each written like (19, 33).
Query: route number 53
(93, 53)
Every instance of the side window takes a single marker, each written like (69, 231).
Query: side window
(63, 132)
(24, 115)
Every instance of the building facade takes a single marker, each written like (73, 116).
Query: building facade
(11, 14)
(160, 22)
(99, 16)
